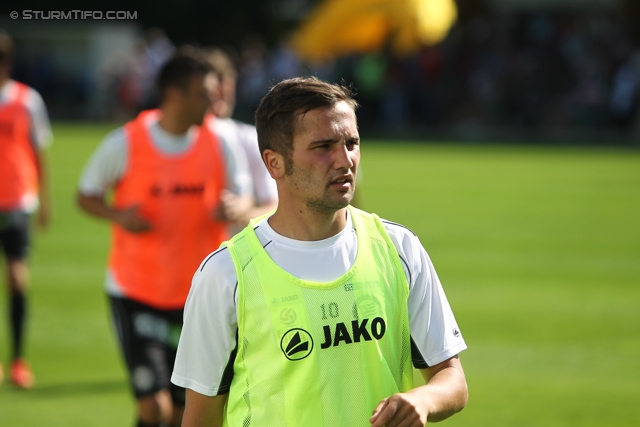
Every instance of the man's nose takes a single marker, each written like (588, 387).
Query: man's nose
(344, 157)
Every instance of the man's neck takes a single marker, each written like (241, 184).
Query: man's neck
(3, 80)
(172, 123)
(306, 225)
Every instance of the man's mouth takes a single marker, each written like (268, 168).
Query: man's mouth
(342, 182)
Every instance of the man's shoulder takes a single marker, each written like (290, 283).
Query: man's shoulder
(113, 147)
(390, 226)
(216, 273)
(218, 263)
(404, 239)
(15, 86)
(115, 138)
(398, 229)
(23, 93)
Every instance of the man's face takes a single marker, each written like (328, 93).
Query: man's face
(325, 158)
(195, 100)
(223, 96)
(214, 90)
(228, 89)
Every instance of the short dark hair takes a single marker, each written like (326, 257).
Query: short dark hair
(278, 113)
(188, 61)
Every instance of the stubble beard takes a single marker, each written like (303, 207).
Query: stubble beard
(325, 204)
(328, 205)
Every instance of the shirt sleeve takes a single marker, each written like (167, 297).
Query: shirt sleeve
(238, 176)
(40, 131)
(208, 342)
(106, 165)
(435, 334)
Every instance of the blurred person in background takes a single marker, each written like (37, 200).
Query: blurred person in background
(25, 132)
(223, 95)
(167, 174)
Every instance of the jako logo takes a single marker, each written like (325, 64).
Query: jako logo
(296, 344)
(178, 190)
(359, 332)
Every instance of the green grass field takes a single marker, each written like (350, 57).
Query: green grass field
(538, 249)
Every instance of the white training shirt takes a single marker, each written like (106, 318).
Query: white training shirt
(264, 187)
(208, 338)
(108, 163)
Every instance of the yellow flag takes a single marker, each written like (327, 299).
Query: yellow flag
(339, 27)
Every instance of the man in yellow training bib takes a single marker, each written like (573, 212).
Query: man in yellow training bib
(312, 316)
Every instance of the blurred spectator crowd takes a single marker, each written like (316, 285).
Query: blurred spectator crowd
(525, 71)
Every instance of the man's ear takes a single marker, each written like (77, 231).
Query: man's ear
(274, 163)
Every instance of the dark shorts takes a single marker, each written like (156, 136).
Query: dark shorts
(148, 339)
(14, 234)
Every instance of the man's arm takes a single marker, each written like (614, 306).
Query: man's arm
(127, 218)
(101, 173)
(44, 211)
(41, 138)
(203, 411)
(444, 394)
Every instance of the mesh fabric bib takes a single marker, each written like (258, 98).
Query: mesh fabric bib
(319, 354)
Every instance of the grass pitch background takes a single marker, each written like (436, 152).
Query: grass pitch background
(538, 249)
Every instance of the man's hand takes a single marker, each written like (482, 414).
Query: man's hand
(234, 208)
(444, 394)
(402, 409)
(44, 214)
(130, 220)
